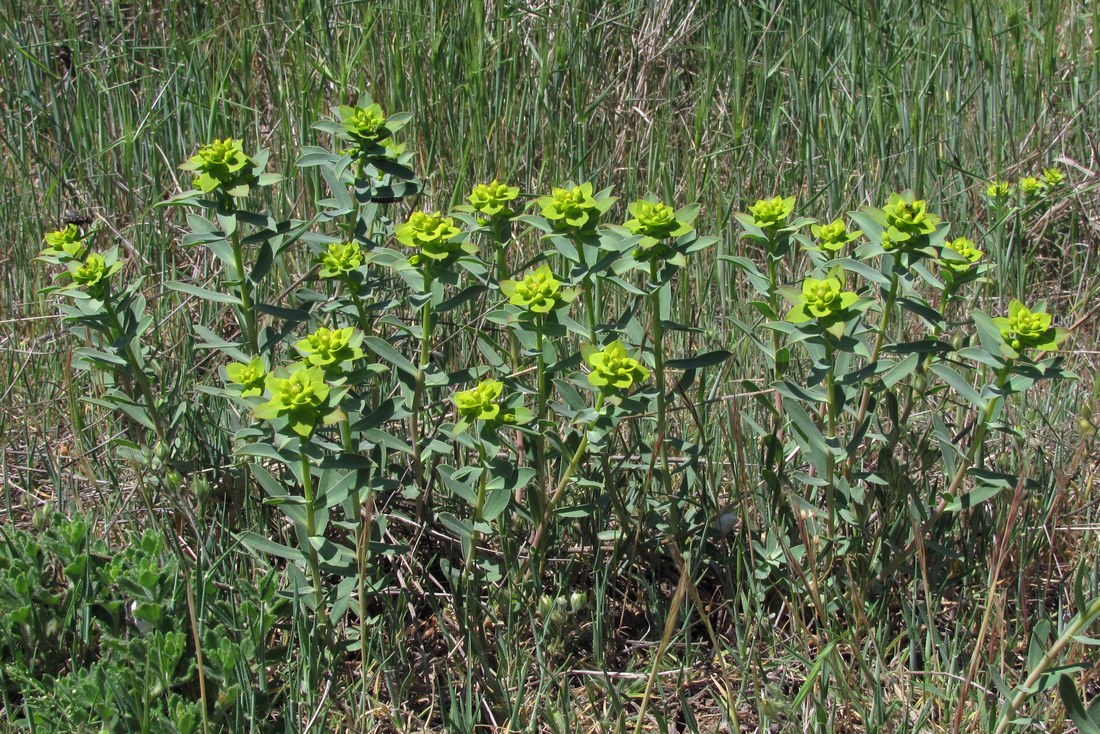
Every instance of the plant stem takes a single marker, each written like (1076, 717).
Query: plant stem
(137, 370)
(559, 490)
(244, 291)
(540, 406)
(311, 531)
(659, 370)
(418, 390)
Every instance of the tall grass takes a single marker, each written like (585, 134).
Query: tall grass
(715, 102)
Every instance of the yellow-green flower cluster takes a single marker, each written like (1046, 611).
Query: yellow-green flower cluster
(539, 292)
(908, 218)
(340, 259)
(434, 235)
(822, 300)
(479, 403)
(1030, 187)
(92, 274)
(771, 213)
(655, 219)
(331, 348)
(249, 376)
(575, 207)
(221, 165)
(1024, 328)
(962, 255)
(832, 237)
(998, 190)
(363, 125)
(64, 244)
(1053, 177)
(493, 199)
(301, 398)
(613, 369)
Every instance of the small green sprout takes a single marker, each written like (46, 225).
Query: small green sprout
(1027, 329)
(771, 213)
(331, 348)
(493, 200)
(575, 207)
(300, 398)
(961, 255)
(222, 165)
(435, 236)
(822, 300)
(613, 369)
(479, 403)
(340, 259)
(249, 376)
(833, 237)
(539, 292)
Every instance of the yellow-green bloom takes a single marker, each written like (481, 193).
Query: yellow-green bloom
(575, 207)
(1053, 177)
(613, 369)
(331, 347)
(909, 216)
(768, 213)
(340, 259)
(998, 190)
(220, 165)
(67, 244)
(1024, 328)
(492, 199)
(655, 219)
(363, 125)
(92, 274)
(249, 376)
(479, 403)
(832, 237)
(434, 235)
(1030, 186)
(539, 292)
(968, 255)
(822, 300)
(301, 397)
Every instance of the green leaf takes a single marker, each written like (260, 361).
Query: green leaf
(264, 545)
(203, 293)
(385, 351)
(699, 361)
(496, 503)
(1075, 708)
(973, 498)
(959, 384)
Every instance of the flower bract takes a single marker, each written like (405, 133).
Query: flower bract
(832, 237)
(434, 235)
(479, 403)
(493, 199)
(330, 348)
(1053, 176)
(300, 398)
(1024, 328)
(221, 165)
(340, 259)
(65, 244)
(910, 217)
(998, 190)
(250, 376)
(770, 213)
(575, 207)
(1030, 186)
(963, 255)
(613, 369)
(822, 300)
(539, 292)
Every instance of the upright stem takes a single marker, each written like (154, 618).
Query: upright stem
(832, 408)
(659, 369)
(421, 370)
(540, 405)
(244, 288)
(311, 532)
(138, 372)
(586, 292)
